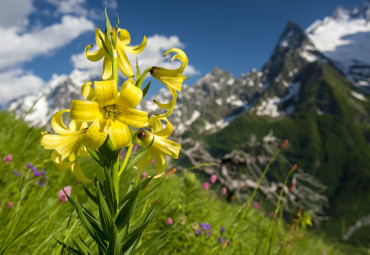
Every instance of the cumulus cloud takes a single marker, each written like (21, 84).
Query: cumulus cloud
(18, 48)
(16, 82)
(14, 13)
(151, 56)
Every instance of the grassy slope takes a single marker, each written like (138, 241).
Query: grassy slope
(331, 146)
(190, 205)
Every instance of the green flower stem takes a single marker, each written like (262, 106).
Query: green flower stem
(248, 203)
(275, 213)
(126, 159)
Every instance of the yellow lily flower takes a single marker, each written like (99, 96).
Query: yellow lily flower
(172, 79)
(123, 40)
(66, 144)
(110, 112)
(161, 145)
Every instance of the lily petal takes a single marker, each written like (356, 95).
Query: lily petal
(106, 92)
(87, 91)
(119, 134)
(95, 55)
(134, 49)
(97, 38)
(124, 36)
(57, 158)
(58, 124)
(130, 95)
(123, 63)
(156, 126)
(145, 161)
(107, 68)
(160, 164)
(132, 117)
(180, 56)
(76, 170)
(96, 134)
(170, 105)
(87, 111)
(170, 78)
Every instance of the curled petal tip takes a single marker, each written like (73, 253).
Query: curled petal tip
(91, 45)
(155, 101)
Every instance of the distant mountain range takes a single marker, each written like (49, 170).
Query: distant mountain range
(314, 90)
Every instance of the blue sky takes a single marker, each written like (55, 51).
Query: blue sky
(42, 38)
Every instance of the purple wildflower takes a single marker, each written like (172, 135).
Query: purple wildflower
(208, 226)
(198, 232)
(42, 184)
(37, 174)
(222, 230)
(203, 226)
(34, 169)
(45, 178)
(43, 172)
(220, 239)
(16, 173)
(209, 233)
(28, 165)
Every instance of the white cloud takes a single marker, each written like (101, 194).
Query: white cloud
(18, 48)
(14, 13)
(17, 83)
(151, 56)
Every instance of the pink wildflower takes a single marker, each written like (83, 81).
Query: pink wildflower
(143, 175)
(324, 252)
(62, 196)
(272, 214)
(135, 147)
(255, 206)
(206, 185)
(169, 221)
(7, 159)
(224, 191)
(153, 161)
(213, 178)
(10, 205)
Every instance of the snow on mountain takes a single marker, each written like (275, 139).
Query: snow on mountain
(344, 38)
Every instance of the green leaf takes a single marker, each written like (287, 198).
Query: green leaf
(110, 193)
(105, 215)
(114, 247)
(87, 225)
(148, 193)
(82, 247)
(146, 89)
(95, 156)
(153, 240)
(109, 27)
(106, 47)
(136, 189)
(125, 214)
(138, 73)
(68, 248)
(137, 158)
(133, 236)
(91, 196)
(142, 77)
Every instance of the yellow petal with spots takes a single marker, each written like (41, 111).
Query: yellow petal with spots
(170, 105)
(87, 91)
(57, 158)
(130, 95)
(132, 117)
(95, 55)
(77, 125)
(96, 134)
(106, 92)
(160, 164)
(123, 63)
(76, 170)
(124, 36)
(107, 68)
(58, 125)
(134, 49)
(87, 111)
(119, 134)
(180, 56)
(156, 126)
(97, 38)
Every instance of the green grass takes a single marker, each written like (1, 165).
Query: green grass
(189, 206)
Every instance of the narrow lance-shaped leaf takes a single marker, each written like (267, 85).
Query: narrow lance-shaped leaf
(105, 215)
(124, 216)
(146, 89)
